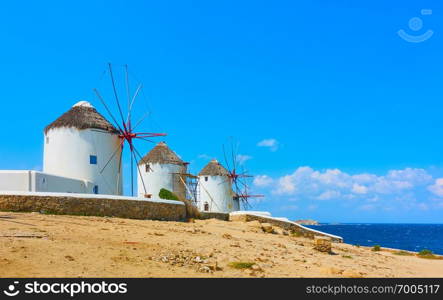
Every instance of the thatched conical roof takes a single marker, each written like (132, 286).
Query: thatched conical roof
(161, 154)
(82, 116)
(213, 168)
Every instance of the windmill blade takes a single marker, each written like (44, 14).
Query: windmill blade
(113, 154)
(119, 173)
(226, 159)
(234, 160)
(141, 120)
(133, 152)
(128, 92)
(107, 109)
(142, 138)
(116, 95)
(137, 153)
(242, 183)
(132, 102)
(132, 172)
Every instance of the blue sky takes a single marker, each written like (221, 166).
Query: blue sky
(350, 111)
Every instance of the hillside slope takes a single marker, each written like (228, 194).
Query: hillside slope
(36, 245)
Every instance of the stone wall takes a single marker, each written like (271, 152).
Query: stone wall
(214, 215)
(85, 206)
(287, 225)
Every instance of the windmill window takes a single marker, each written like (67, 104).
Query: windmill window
(148, 168)
(206, 178)
(206, 208)
(93, 159)
(95, 190)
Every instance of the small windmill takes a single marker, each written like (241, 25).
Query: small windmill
(127, 132)
(239, 181)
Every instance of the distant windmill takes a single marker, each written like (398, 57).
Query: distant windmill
(222, 188)
(126, 129)
(239, 181)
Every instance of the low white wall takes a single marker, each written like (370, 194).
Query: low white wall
(34, 181)
(11, 180)
(282, 222)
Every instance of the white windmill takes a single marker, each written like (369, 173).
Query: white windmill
(79, 144)
(161, 168)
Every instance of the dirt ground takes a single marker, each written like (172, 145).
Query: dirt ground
(37, 245)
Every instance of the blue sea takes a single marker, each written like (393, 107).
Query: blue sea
(413, 237)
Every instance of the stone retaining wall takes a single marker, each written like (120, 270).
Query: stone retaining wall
(287, 225)
(214, 215)
(90, 206)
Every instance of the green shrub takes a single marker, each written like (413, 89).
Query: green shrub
(428, 254)
(296, 234)
(404, 253)
(346, 256)
(167, 195)
(425, 252)
(376, 248)
(241, 265)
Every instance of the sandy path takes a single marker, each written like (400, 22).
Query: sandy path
(36, 245)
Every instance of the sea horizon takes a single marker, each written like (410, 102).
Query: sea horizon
(403, 236)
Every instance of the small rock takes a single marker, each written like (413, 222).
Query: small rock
(68, 257)
(227, 236)
(322, 244)
(266, 227)
(204, 269)
(257, 268)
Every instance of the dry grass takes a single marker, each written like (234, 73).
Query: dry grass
(427, 254)
(403, 253)
(241, 265)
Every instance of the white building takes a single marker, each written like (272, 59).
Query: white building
(82, 144)
(82, 153)
(161, 168)
(35, 181)
(215, 189)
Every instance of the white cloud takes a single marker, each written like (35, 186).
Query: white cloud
(286, 185)
(262, 180)
(404, 190)
(241, 158)
(408, 189)
(437, 187)
(329, 194)
(359, 189)
(333, 183)
(272, 144)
